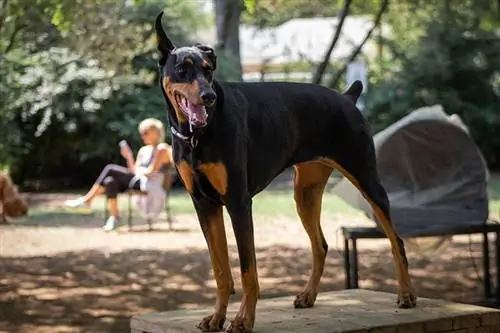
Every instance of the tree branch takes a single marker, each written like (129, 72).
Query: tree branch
(12, 39)
(263, 67)
(3, 6)
(305, 58)
(320, 70)
(335, 79)
(393, 49)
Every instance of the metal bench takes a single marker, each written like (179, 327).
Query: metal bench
(353, 234)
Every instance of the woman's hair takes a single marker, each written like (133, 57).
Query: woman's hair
(153, 123)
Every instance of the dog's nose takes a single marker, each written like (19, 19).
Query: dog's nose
(208, 97)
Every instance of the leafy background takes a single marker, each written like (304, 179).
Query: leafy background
(76, 77)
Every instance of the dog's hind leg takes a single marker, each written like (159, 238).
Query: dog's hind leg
(310, 181)
(362, 173)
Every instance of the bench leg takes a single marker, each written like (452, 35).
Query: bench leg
(351, 264)
(106, 211)
(167, 211)
(486, 267)
(347, 264)
(355, 267)
(150, 223)
(129, 218)
(497, 260)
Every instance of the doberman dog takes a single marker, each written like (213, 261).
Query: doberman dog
(231, 139)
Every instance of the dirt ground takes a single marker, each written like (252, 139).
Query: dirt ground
(73, 277)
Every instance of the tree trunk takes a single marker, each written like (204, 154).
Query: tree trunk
(227, 19)
(335, 79)
(320, 70)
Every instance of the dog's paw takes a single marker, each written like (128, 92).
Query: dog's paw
(406, 300)
(213, 323)
(305, 299)
(238, 325)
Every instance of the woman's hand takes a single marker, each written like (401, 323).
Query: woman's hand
(126, 152)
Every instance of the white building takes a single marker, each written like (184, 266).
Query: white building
(298, 41)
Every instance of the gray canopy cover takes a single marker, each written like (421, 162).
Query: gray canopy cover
(433, 172)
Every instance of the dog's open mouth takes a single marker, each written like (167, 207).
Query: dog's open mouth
(196, 113)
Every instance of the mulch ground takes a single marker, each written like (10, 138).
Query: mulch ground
(66, 275)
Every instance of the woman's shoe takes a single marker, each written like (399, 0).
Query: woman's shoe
(111, 223)
(75, 203)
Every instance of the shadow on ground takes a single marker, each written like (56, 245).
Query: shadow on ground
(91, 292)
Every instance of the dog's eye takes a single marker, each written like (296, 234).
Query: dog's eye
(180, 69)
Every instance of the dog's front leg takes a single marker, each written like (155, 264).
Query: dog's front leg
(212, 225)
(241, 218)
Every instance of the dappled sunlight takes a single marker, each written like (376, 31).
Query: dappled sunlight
(102, 291)
(78, 77)
(73, 278)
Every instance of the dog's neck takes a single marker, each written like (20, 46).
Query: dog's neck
(185, 132)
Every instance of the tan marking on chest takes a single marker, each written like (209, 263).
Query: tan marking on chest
(186, 173)
(216, 174)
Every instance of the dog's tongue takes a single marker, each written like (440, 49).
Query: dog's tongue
(197, 113)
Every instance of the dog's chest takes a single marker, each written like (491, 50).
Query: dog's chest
(201, 177)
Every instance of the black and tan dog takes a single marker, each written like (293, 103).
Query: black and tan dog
(231, 139)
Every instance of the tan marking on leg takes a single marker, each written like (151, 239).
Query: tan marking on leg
(216, 174)
(405, 289)
(186, 173)
(310, 181)
(217, 246)
(244, 320)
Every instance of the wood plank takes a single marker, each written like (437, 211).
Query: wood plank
(347, 311)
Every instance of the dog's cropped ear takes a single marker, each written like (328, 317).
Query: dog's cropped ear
(210, 53)
(165, 45)
(354, 91)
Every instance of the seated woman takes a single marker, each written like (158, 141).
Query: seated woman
(143, 174)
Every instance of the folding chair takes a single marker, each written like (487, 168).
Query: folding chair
(168, 180)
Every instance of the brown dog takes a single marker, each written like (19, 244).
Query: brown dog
(11, 202)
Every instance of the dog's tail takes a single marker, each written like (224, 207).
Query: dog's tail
(354, 91)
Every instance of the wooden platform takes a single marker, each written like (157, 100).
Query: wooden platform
(347, 311)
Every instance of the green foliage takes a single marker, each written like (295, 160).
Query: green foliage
(265, 13)
(455, 63)
(268, 13)
(78, 76)
(114, 33)
(70, 94)
(227, 69)
(10, 91)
